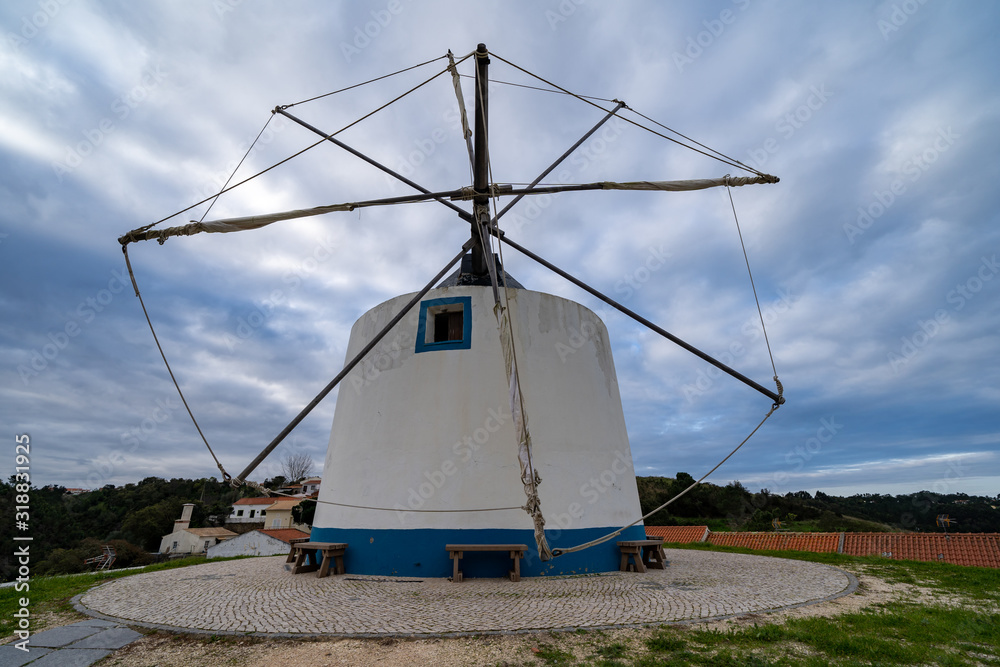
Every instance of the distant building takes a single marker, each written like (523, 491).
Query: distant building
(250, 510)
(310, 485)
(264, 542)
(279, 514)
(187, 540)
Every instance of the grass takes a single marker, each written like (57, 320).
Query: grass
(53, 595)
(901, 632)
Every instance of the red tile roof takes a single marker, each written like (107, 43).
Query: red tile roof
(816, 542)
(254, 501)
(284, 534)
(682, 534)
(976, 549)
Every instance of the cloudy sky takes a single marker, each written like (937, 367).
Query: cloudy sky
(875, 256)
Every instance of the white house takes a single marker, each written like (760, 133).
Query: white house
(265, 542)
(310, 485)
(186, 540)
(250, 510)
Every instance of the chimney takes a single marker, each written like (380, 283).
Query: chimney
(185, 520)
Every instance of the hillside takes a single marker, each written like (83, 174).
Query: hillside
(733, 507)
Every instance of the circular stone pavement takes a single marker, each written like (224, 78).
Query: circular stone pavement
(258, 595)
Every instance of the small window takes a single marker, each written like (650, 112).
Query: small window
(251, 513)
(239, 512)
(174, 547)
(445, 324)
(263, 512)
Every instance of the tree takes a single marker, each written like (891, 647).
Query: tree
(296, 466)
(304, 512)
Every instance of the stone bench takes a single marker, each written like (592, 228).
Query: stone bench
(457, 551)
(308, 553)
(643, 554)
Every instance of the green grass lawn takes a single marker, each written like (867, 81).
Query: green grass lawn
(902, 632)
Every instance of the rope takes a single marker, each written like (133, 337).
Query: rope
(601, 540)
(135, 286)
(544, 90)
(365, 83)
(747, 259)
(260, 488)
(724, 159)
(236, 169)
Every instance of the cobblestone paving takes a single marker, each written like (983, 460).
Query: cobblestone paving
(258, 595)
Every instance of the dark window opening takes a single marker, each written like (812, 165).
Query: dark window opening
(448, 327)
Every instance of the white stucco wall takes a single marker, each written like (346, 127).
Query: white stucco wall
(432, 430)
(253, 543)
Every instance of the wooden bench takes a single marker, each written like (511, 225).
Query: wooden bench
(309, 551)
(457, 551)
(291, 552)
(643, 554)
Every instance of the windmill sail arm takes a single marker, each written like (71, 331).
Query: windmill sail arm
(230, 224)
(694, 184)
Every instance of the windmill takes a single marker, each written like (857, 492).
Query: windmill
(495, 416)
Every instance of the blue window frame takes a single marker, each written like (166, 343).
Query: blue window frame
(445, 324)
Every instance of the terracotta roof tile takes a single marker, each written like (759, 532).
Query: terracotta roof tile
(254, 501)
(680, 534)
(284, 534)
(816, 542)
(978, 549)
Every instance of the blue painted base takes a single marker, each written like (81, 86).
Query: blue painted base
(421, 552)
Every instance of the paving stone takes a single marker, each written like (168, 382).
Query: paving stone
(110, 638)
(63, 636)
(71, 657)
(254, 595)
(10, 656)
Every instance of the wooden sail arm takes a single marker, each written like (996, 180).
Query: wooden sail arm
(461, 194)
